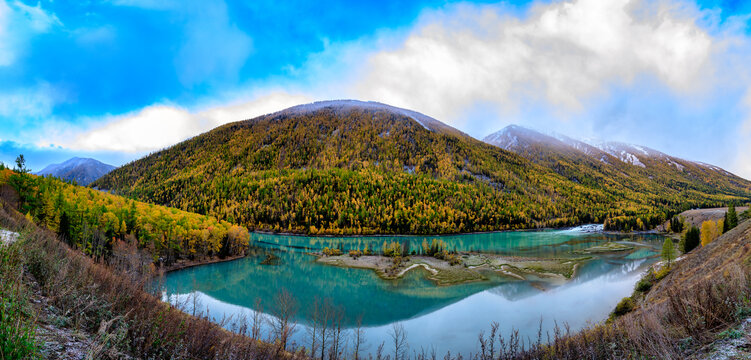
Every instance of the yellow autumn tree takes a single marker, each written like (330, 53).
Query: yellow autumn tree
(709, 232)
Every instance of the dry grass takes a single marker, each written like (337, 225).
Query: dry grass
(127, 320)
(705, 293)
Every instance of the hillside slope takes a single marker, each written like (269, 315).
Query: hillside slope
(359, 168)
(82, 171)
(96, 222)
(633, 171)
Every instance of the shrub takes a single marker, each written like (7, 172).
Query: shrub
(625, 306)
(17, 339)
(731, 334)
(453, 259)
(331, 252)
(663, 272)
(644, 285)
(392, 249)
(355, 253)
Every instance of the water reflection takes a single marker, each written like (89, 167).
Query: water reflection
(447, 317)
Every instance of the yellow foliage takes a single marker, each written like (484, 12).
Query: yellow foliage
(709, 231)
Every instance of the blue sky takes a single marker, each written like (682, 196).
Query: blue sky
(117, 79)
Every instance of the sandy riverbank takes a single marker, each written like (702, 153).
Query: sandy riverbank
(472, 267)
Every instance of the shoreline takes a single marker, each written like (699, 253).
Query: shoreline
(194, 263)
(264, 232)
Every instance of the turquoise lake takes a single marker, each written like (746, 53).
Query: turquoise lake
(435, 317)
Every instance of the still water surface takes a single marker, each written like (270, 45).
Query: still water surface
(435, 317)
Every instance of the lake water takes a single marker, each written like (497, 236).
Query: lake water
(435, 317)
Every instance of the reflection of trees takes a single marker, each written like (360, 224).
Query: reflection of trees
(356, 290)
(518, 243)
(360, 291)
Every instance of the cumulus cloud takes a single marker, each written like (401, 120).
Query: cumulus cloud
(560, 54)
(160, 126)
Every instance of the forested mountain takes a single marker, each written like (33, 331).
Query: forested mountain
(82, 171)
(359, 168)
(640, 170)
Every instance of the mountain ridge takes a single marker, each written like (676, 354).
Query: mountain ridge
(81, 170)
(350, 167)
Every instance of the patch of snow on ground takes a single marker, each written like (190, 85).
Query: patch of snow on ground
(8, 236)
(677, 165)
(637, 147)
(630, 158)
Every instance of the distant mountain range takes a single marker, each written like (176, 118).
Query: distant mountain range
(351, 167)
(81, 170)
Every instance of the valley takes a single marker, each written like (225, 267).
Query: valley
(424, 302)
(375, 180)
(384, 219)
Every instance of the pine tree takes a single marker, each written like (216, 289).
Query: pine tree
(732, 217)
(668, 251)
(64, 228)
(692, 239)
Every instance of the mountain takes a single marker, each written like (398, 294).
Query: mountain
(83, 171)
(639, 169)
(350, 167)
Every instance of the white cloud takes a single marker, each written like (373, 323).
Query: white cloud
(37, 19)
(18, 24)
(160, 126)
(742, 161)
(560, 54)
(7, 53)
(31, 102)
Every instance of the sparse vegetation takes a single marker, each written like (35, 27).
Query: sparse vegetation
(17, 329)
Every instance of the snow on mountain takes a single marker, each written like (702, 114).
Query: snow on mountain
(425, 121)
(81, 170)
(624, 152)
(520, 139)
